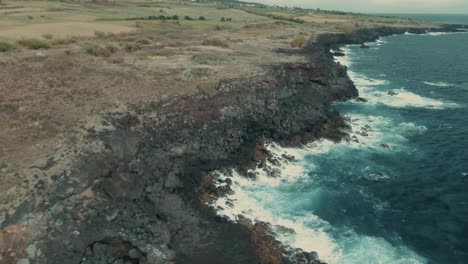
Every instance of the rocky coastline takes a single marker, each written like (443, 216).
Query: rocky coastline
(131, 186)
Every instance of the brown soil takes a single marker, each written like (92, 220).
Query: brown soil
(44, 94)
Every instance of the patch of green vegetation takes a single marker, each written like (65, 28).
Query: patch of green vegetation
(143, 41)
(48, 36)
(332, 12)
(34, 44)
(195, 73)
(6, 46)
(112, 47)
(99, 34)
(215, 42)
(64, 41)
(131, 47)
(274, 13)
(161, 17)
(95, 49)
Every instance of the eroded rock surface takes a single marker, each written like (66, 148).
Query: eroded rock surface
(130, 186)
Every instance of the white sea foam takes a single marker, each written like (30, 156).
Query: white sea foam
(264, 200)
(439, 84)
(251, 199)
(363, 81)
(435, 34)
(371, 90)
(344, 60)
(405, 98)
(254, 206)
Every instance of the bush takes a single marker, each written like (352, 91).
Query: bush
(143, 41)
(34, 44)
(202, 18)
(99, 34)
(112, 47)
(160, 17)
(215, 42)
(131, 47)
(48, 36)
(6, 46)
(64, 41)
(95, 49)
(298, 42)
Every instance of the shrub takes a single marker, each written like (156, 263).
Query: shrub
(95, 49)
(34, 44)
(298, 42)
(345, 29)
(112, 47)
(6, 46)
(202, 18)
(131, 47)
(215, 42)
(65, 41)
(143, 41)
(48, 36)
(99, 34)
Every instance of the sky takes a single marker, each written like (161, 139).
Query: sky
(380, 6)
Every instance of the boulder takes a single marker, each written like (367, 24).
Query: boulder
(364, 46)
(361, 100)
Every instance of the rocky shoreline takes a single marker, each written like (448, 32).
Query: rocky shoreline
(131, 186)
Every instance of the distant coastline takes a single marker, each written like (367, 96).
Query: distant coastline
(438, 18)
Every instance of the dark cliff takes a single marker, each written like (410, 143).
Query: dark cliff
(137, 193)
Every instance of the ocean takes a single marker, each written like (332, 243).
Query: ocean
(397, 190)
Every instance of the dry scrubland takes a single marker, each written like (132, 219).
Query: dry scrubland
(63, 62)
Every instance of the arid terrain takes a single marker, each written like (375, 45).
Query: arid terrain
(95, 59)
(64, 64)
